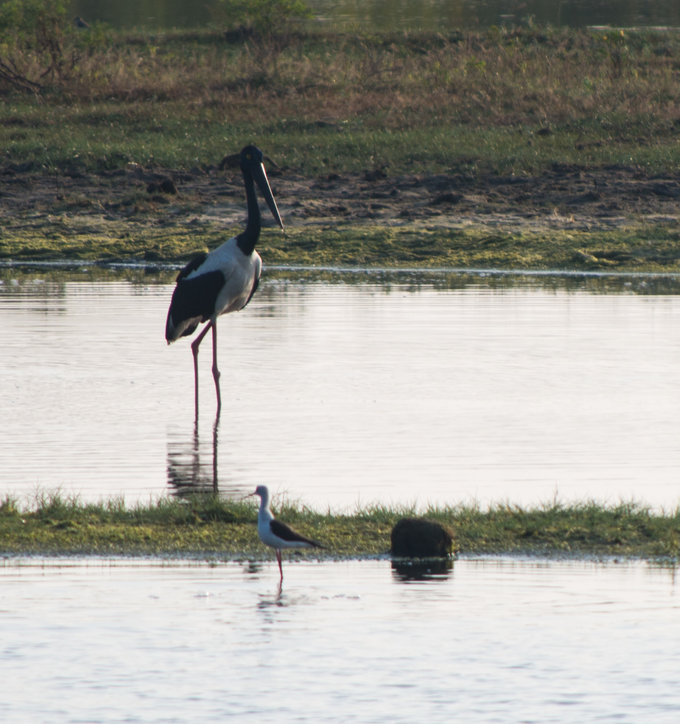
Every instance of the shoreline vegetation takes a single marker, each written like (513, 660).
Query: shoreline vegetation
(211, 527)
(521, 148)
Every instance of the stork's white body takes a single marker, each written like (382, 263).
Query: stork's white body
(241, 274)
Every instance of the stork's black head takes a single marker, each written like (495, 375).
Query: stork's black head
(251, 156)
(251, 160)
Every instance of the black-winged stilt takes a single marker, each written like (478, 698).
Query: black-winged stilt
(276, 534)
(224, 280)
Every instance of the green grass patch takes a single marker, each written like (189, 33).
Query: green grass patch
(105, 136)
(56, 525)
(507, 100)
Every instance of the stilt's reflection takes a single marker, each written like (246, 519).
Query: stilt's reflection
(192, 466)
(276, 599)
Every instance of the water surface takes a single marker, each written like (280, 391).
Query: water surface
(348, 389)
(489, 640)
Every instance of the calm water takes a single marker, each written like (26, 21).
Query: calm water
(348, 389)
(488, 641)
(434, 15)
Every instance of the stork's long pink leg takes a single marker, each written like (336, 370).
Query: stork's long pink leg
(215, 371)
(194, 350)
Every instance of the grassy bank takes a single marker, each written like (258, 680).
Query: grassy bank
(54, 525)
(339, 103)
(585, 122)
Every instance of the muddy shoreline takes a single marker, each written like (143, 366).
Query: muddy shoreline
(120, 201)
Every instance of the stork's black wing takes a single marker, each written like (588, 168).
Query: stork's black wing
(193, 302)
(192, 265)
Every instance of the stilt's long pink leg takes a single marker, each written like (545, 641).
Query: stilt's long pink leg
(278, 558)
(194, 350)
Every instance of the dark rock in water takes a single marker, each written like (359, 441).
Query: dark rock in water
(421, 538)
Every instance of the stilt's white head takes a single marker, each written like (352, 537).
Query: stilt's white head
(263, 492)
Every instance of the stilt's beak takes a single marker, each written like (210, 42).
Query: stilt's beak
(262, 181)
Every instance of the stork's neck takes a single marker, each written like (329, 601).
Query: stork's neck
(247, 239)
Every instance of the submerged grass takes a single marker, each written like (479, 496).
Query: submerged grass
(207, 525)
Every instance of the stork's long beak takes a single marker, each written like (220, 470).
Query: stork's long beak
(260, 176)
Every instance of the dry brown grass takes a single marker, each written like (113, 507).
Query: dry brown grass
(494, 78)
(505, 102)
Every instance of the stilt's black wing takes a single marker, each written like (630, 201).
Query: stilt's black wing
(287, 533)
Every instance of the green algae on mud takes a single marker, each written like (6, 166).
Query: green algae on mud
(629, 249)
(209, 526)
(635, 248)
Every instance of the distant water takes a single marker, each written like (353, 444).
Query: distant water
(434, 15)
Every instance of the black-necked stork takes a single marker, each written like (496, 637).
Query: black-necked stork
(224, 280)
(274, 533)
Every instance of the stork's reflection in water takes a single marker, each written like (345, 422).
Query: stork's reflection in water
(192, 463)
